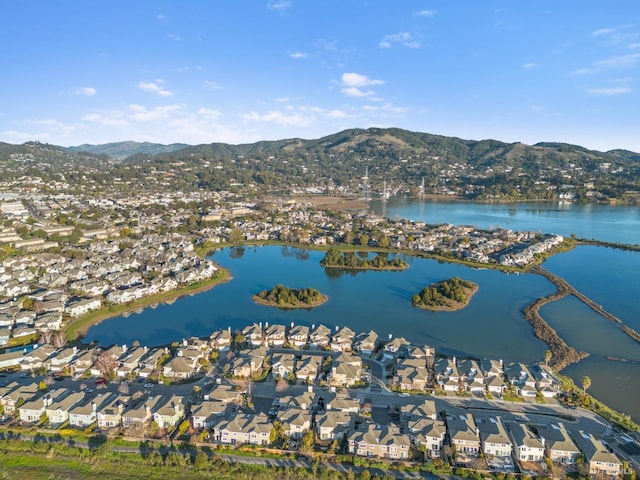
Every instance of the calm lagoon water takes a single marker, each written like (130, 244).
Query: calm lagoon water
(491, 324)
(602, 222)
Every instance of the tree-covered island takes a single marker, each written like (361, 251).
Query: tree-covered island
(284, 297)
(447, 295)
(351, 260)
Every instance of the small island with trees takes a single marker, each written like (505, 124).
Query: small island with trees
(284, 297)
(353, 261)
(447, 295)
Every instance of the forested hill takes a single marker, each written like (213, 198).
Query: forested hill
(398, 162)
(403, 161)
(122, 150)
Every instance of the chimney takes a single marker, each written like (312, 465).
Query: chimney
(477, 432)
(94, 407)
(454, 359)
(390, 336)
(313, 326)
(229, 330)
(292, 324)
(124, 347)
(260, 325)
(337, 328)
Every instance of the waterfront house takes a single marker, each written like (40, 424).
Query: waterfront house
(319, 337)
(342, 340)
(365, 343)
(446, 374)
(253, 334)
(298, 336)
(398, 347)
(275, 335)
(221, 340)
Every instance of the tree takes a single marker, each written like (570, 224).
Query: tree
(58, 340)
(236, 236)
(586, 383)
(201, 462)
(306, 444)
(106, 363)
(547, 357)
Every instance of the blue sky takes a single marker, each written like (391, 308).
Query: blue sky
(242, 71)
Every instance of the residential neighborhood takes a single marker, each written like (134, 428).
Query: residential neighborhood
(243, 398)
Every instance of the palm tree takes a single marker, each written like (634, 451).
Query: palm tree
(547, 357)
(586, 383)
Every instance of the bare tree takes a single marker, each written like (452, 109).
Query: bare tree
(106, 362)
(123, 388)
(58, 340)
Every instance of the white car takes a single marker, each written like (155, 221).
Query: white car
(148, 385)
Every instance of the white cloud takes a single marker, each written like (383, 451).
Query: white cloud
(529, 66)
(356, 92)
(620, 61)
(114, 120)
(154, 87)
(278, 5)
(294, 119)
(401, 38)
(176, 37)
(160, 17)
(209, 113)
(298, 55)
(353, 83)
(86, 91)
(617, 61)
(609, 91)
(335, 114)
(142, 114)
(424, 13)
(357, 80)
(603, 31)
(212, 85)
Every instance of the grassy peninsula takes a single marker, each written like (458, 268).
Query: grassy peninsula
(447, 295)
(354, 261)
(284, 297)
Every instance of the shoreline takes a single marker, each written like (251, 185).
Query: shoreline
(76, 329)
